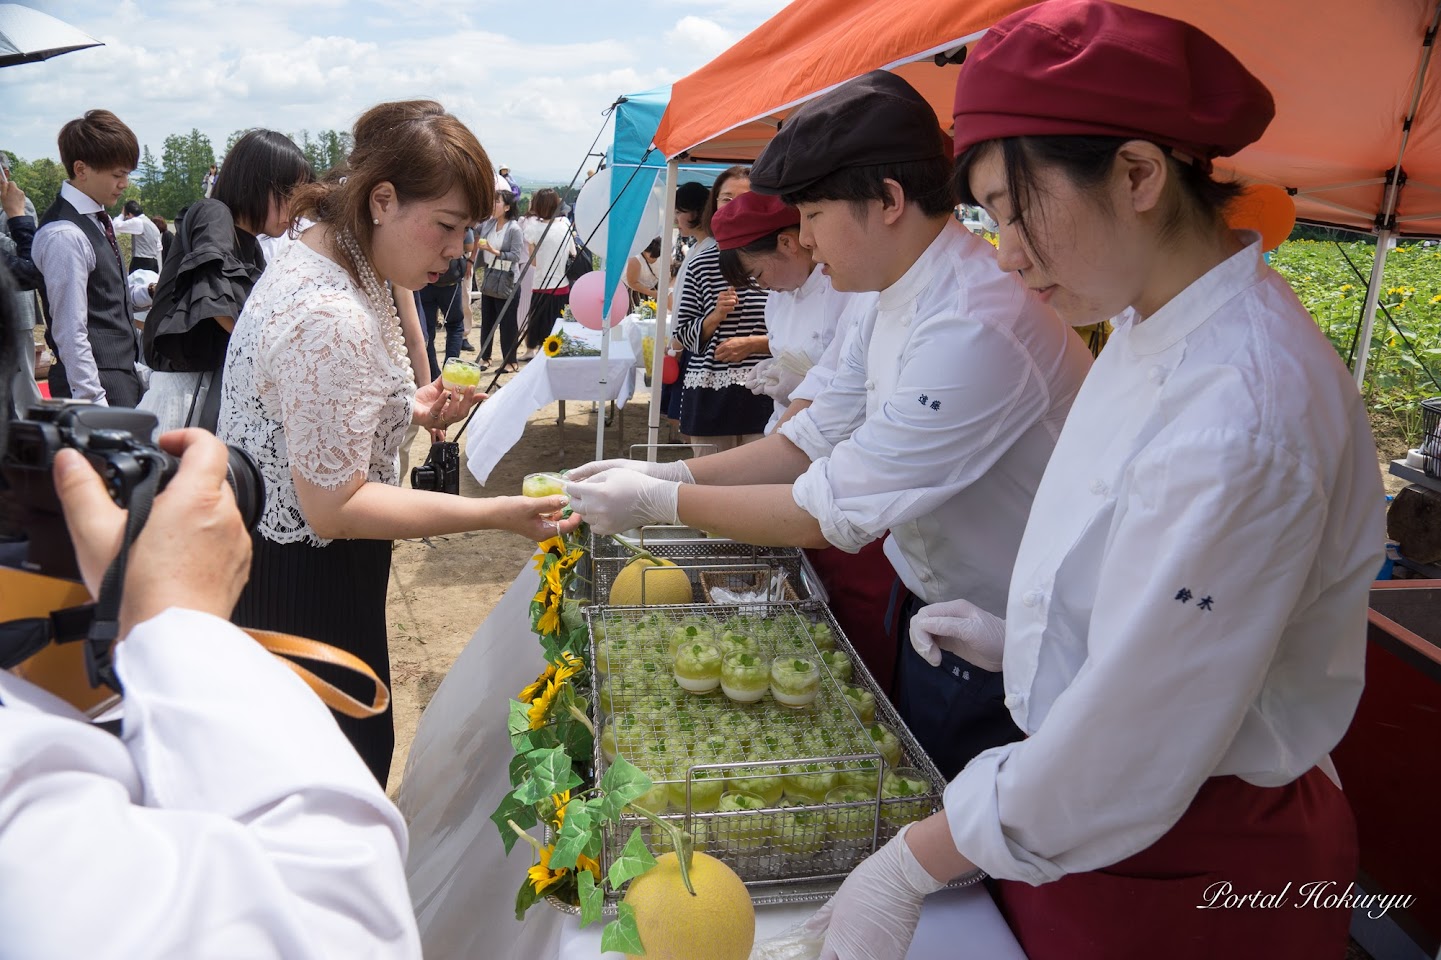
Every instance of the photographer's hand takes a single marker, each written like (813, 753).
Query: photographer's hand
(194, 551)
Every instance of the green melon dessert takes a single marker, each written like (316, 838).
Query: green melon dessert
(706, 787)
(795, 681)
(884, 742)
(901, 784)
(810, 782)
(863, 701)
(745, 677)
(838, 664)
(698, 667)
(742, 833)
(851, 825)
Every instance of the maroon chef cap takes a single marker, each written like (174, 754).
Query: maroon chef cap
(1094, 68)
(748, 218)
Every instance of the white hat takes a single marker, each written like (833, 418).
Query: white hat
(503, 166)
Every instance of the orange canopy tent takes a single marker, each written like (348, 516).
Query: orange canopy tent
(1355, 101)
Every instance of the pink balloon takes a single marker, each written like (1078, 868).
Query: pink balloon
(587, 299)
(619, 304)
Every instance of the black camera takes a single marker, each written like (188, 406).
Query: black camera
(441, 470)
(116, 442)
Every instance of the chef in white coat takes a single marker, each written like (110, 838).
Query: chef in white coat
(759, 238)
(938, 422)
(230, 817)
(1184, 638)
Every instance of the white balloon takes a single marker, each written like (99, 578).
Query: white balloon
(591, 205)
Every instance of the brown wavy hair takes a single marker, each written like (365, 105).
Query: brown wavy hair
(420, 149)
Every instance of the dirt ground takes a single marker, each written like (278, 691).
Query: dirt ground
(442, 588)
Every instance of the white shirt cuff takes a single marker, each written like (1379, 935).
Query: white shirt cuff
(812, 493)
(803, 432)
(973, 811)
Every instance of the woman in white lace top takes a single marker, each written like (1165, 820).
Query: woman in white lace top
(319, 389)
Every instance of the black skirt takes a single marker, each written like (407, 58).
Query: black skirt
(334, 594)
(724, 412)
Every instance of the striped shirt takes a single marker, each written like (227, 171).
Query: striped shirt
(701, 288)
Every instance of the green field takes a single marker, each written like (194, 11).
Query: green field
(1397, 377)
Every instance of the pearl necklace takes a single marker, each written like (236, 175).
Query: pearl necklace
(380, 301)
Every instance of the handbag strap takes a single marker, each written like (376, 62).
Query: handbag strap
(290, 648)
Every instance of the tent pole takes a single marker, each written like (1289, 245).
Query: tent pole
(604, 386)
(1384, 240)
(662, 307)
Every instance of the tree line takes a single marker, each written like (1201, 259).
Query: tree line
(166, 185)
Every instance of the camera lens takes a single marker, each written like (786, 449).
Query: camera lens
(248, 484)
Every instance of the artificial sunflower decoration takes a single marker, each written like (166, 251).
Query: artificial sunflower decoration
(542, 877)
(541, 706)
(552, 345)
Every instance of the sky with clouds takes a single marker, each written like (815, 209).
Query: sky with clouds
(531, 77)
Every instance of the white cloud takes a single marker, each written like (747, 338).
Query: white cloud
(705, 38)
(532, 83)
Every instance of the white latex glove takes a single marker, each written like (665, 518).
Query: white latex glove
(962, 628)
(873, 915)
(785, 381)
(760, 377)
(616, 500)
(677, 471)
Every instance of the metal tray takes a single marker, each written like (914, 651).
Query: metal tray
(694, 554)
(690, 742)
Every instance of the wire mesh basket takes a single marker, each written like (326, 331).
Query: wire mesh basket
(766, 585)
(1431, 436)
(694, 552)
(781, 794)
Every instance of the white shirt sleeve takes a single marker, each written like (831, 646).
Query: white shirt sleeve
(819, 376)
(255, 829)
(964, 394)
(1208, 513)
(133, 226)
(65, 258)
(840, 408)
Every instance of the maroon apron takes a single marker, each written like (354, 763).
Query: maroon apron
(1260, 840)
(859, 587)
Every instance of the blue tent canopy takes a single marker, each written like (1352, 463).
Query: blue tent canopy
(635, 169)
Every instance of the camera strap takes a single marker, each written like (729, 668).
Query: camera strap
(105, 627)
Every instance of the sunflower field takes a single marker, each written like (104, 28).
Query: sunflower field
(1405, 360)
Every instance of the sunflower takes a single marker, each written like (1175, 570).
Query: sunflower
(552, 346)
(528, 694)
(569, 666)
(549, 621)
(542, 877)
(541, 706)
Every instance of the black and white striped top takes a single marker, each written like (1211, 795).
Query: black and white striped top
(702, 286)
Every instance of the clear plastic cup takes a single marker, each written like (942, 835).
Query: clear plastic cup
(458, 374)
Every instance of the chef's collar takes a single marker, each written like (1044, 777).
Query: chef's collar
(816, 281)
(1194, 305)
(918, 277)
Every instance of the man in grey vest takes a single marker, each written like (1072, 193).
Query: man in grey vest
(84, 292)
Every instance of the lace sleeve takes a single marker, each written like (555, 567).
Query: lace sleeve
(323, 362)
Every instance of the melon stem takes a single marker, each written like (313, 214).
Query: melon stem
(682, 841)
(635, 550)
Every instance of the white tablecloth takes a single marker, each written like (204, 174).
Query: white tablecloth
(955, 925)
(502, 418)
(463, 886)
